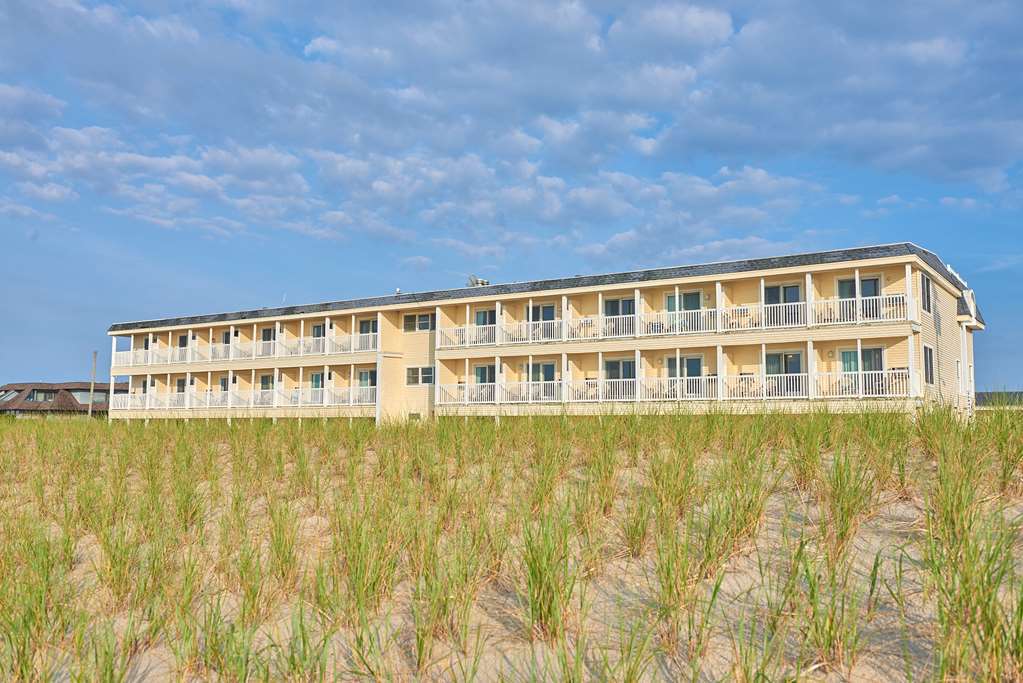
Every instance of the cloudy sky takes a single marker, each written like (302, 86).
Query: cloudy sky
(163, 158)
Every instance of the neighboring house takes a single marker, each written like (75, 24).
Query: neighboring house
(38, 398)
(845, 329)
(991, 400)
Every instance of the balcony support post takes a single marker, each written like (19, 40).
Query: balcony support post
(498, 379)
(763, 302)
(465, 394)
(149, 351)
(600, 376)
(856, 276)
(252, 352)
(913, 380)
(678, 373)
(188, 388)
(600, 315)
(279, 338)
(720, 369)
(301, 338)
(529, 322)
(809, 300)
(564, 377)
(352, 337)
(190, 353)
(529, 375)
(209, 343)
(301, 384)
(910, 299)
(637, 315)
(276, 387)
(676, 316)
(718, 305)
(564, 317)
(763, 369)
(811, 371)
(328, 338)
(499, 326)
(436, 335)
(639, 374)
(149, 382)
(252, 388)
(323, 383)
(859, 361)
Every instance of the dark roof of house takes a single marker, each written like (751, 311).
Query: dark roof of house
(63, 400)
(630, 277)
(999, 398)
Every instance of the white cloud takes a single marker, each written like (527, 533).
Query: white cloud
(322, 45)
(47, 192)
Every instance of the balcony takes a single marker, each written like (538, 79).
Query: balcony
(843, 385)
(243, 399)
(246, 350)
(887, 308)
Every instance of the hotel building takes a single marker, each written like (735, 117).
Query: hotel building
(888, 326)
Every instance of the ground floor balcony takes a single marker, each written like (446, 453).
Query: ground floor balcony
(247, 399)
(734, 318)
(773, 387)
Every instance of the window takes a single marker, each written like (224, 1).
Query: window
(181, 385)
(488, 317)
(928, 364)
(266, 382)
(777, 294)
(692, 366)
(784, 363)
(316, 380)
(869, 286)
(926, 294)
(614, 307)
(223, 383)
(416, 376)
(542, 312)
(485, 374)
(620, 369)
(182, 341)
(82, 396)
(8, 395)
(368, 326)
(269, 334)
(41, 395)
(691, 301)
(226, 337)
(420, 322)
(543, 372)
(318, 331)
(368, 378)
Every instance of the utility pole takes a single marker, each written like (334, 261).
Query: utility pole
(92, 386)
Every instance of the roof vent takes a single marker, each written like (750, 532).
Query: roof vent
(397, 290)
(477, 282)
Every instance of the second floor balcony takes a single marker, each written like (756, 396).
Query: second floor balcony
(746, 317)
(202, 352)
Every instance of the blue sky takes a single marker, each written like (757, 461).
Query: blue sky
(165, 158)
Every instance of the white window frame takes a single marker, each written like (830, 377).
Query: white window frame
(682, 359)
(484, 365)
(781, 285)
(419, 375)
(926, 294)
(881, 282)
(782, 352)
(923, 364)
(681, 294)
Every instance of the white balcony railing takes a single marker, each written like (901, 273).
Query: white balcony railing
(745, 317)
(777, 387)
(242, 350)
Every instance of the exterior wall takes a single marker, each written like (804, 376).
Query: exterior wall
(400, 350)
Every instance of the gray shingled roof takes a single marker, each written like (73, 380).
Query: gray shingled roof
(631, 277)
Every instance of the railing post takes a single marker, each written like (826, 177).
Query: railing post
(600, 315)
(301, 343)
(564, 377)
(639, 375)
(637, 312)
(859, 363)
(276, 387)
(910, 298)
(718, 304)
(564, 317)
(809, 300)
(188, 384)
(911, 354)
(859, 298)
(763, 309)
(301, 377)
(763, 370)
(190, 352)
(148, 382)
(721, 372)
(600, 376)
(811, 371)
